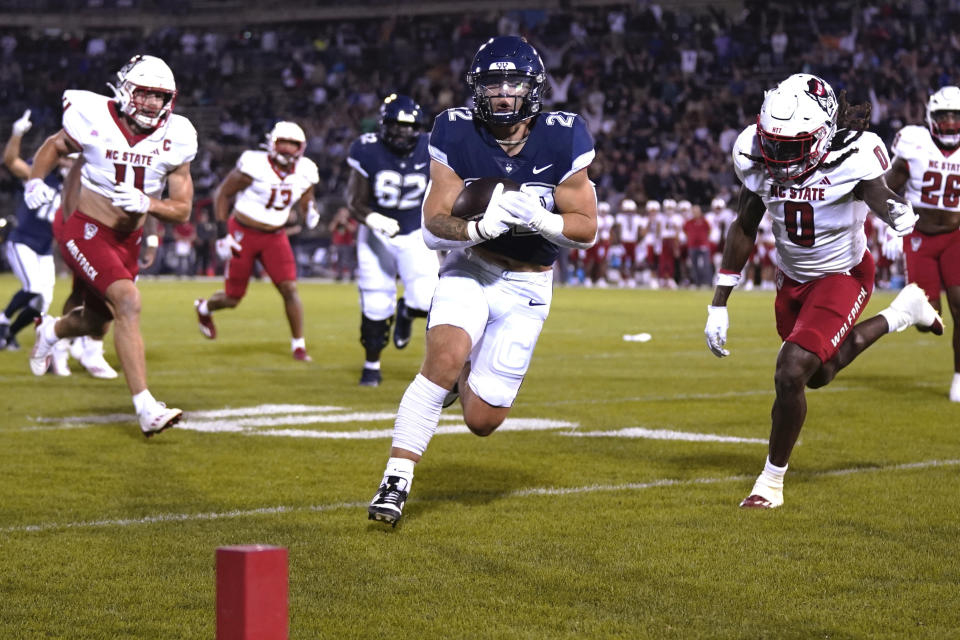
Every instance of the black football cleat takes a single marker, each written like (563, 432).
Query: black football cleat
(370, 378)
(387, 504)
(402, 326)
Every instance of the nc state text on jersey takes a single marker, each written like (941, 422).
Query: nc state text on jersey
(941, 165)
(128, 156)
(803, 193)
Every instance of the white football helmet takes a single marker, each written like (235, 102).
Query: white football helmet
(288, 132)
(144, 73)
(603, 208)
(628, 206)
(684, 206)
(653, 206)
(796, 124)
(717, 204)
(669, 204)
(943, 116)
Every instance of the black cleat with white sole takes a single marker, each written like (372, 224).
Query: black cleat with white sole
(387, 504)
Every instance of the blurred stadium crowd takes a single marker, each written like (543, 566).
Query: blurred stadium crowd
(665, 91)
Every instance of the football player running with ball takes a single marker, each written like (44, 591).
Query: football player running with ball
(264, 186)
(810, 162)
(133, 147)
(388, 177)
(496, 283)
(926, 163)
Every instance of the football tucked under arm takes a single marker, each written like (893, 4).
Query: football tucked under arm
(478, 204)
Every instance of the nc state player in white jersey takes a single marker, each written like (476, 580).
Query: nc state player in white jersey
(926, 167)
(134, 147)
(811, 164)
(265, 186)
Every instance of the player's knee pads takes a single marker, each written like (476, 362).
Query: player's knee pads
(374, 334)
(378, 304)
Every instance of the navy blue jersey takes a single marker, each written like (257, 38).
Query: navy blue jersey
(34, 225)
(396, 182)
(558, 146)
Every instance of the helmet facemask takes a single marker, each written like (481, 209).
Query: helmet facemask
(790, 157)
(945, 127)
(506, 98)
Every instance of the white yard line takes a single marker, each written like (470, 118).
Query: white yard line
(662, 434)
(522, 493)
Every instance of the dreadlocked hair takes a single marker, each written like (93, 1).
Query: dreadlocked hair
(852, 121)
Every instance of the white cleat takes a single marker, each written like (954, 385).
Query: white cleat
(76, 348)
(917, 311)
(58, 364)
(42, 353)
(97, 366)
(955, 388)
(157, 418)
(763, 496)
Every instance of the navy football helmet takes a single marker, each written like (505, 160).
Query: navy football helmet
(401, 121)
(507, 78)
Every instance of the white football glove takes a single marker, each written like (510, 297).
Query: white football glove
(382, 224)
(130, 199)
(227, 246)
(22, 124)
(313, 216)
(37, 193)
(526, 207)
(892, 247)
(496, 220)
(716, 330)
(902, 217)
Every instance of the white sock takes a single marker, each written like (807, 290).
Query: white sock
(142, 400)
(298, 343)
(772, 475)
(48, 333)
(418, 415)
(955, 388)
(402, 467)
(896, 320)
(203, 308)
(372, 365)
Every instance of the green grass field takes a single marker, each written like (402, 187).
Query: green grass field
(538, 531)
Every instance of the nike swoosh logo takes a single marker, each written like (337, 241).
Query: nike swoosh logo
(419, 166)
(537, 170)
(534, 303)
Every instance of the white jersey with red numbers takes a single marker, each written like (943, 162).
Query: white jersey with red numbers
(631, 225)
(605, 224)
(113, 155)
(818, 224)
(934, 181)
(271, 195)
(671, 225)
